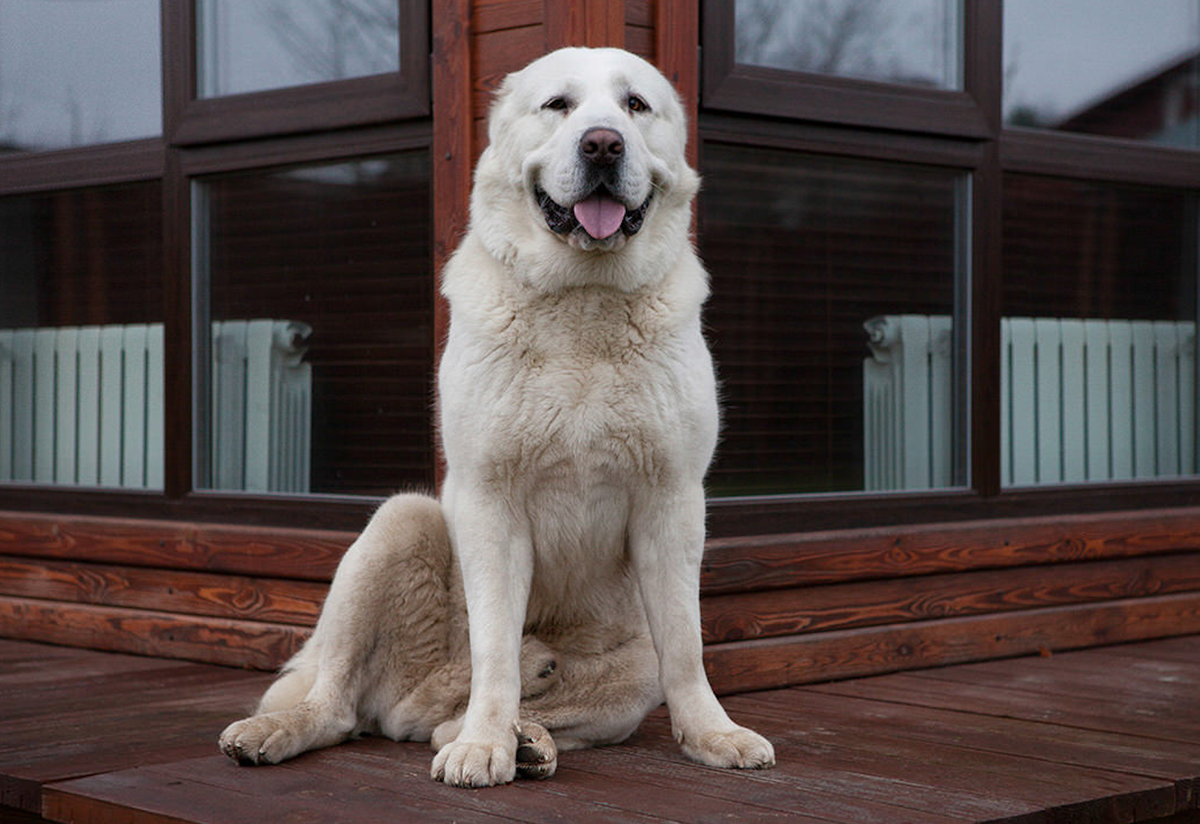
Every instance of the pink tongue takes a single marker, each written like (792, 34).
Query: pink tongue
(599, 215)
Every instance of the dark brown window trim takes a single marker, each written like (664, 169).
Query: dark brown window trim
(318, 106)
(305, 149)
(927, 150)
(84, 166)
(732, 517)
(302, 512)
(1098, 158)
(730, 86)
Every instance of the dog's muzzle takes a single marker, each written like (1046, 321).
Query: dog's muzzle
(595, 214)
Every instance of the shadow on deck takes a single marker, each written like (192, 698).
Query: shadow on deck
(1102, 735)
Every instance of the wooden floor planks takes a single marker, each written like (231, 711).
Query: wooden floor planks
(1106, 735)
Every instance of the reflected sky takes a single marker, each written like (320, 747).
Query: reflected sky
(914, 42)
(252, 45)
(75, 72)
(83, 72)
(1063, 55)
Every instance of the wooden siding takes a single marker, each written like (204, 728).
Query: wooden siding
(777, 610)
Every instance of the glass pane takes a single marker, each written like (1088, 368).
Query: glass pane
(253, 45)
(320, 293)
(1098, 330)
(1119, 68)
(81, 337)
(834, 287)
(77, 74)
(912, 42)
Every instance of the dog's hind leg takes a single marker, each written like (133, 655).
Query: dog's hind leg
(600, 698)
(382, 629)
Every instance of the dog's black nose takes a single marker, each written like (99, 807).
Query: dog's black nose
(602, 146)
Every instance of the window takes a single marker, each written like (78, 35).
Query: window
(1098, 332)
(322, 274)
(826, 272)
(272, 67)
(1017, 180)
(215, 268)
(81, 337)
(911, 43)
(273, 44)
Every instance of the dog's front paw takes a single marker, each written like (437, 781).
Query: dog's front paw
(738, 747)
(476, 764)
(261, 739)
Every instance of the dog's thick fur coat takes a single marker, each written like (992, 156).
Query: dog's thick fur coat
(578, 414)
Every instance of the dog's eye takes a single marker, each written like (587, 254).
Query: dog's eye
(557, 104)
(637, 104)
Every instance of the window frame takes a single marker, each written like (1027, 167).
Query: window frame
(749, 105)
(189, 119)
(340, 120)
(874, 120)
(727, 85)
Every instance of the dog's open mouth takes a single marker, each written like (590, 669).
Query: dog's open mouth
(599, 214)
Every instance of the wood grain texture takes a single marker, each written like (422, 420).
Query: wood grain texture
(494, 55)
(495, 15)
(187, 593)
(453, 154)
(286, 553)
(804, 659)
(773, 613)
(677, 55)
(763, 562)
(730, 565)
(1029, 742)
(253, 644)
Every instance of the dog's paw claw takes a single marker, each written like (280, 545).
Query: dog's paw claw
(537, 755)
(738, 748)
(256, 740)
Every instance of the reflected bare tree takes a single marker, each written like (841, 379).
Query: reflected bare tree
(895, 40)
(824, 36)
(334, 38)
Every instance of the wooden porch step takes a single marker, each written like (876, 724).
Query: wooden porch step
(1103, 735)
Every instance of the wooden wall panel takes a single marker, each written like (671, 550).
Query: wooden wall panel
(187, 593)
(773, 613)
(777, 609)
(210, 640)
(768, 602)
(888, 552)
(778, 662)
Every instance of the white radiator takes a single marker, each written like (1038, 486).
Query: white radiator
(84, 406)
(1081, 400)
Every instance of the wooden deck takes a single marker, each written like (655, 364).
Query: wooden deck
(1105, 735)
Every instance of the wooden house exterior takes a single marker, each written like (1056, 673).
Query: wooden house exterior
(829, 200)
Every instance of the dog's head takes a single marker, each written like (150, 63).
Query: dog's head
(586, 151)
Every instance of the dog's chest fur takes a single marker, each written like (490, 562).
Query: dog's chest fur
(588, 387)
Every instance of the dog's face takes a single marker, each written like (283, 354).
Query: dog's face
(587, 150)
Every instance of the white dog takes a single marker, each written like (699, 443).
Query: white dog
(578, 414)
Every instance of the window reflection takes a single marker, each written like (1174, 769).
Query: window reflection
(320, 318)
(912, 42)
(253, 45)
(77, 74)
(81, 337)
(1099, 345)
(824, 272)
(1118, 68)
